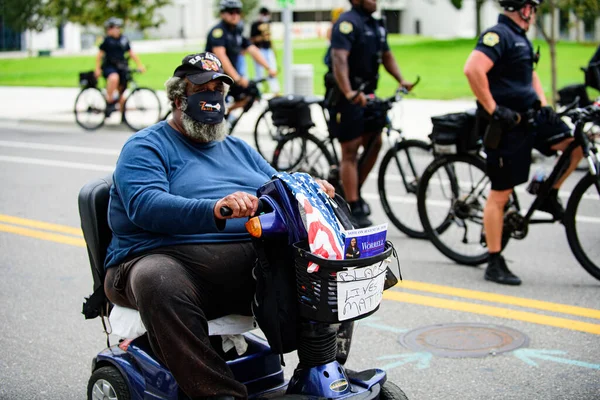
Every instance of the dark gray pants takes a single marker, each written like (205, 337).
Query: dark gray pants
(177, 290)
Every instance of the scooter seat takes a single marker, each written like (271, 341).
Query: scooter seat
(126, 323)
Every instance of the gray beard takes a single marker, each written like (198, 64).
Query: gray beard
(202, 132)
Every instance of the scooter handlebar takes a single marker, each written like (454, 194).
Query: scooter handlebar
(227, 212)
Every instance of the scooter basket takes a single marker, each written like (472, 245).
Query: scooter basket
(341, 290)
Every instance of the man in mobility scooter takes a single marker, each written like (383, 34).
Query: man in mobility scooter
(175, 259)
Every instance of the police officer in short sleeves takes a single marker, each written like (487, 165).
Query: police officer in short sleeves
(358, 47)
(226, 41)
(501, 74)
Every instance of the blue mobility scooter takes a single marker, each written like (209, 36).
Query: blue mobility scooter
(130, 370)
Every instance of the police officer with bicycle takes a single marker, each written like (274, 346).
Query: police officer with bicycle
(226, 41)
(112, 64)
(358, 47)
(501, 74)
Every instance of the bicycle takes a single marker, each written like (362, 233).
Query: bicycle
(455, 208)
(142, 106)
(577, 94)
(307, 153)
(284, 116)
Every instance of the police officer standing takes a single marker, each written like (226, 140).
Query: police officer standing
(501, 74)
(225, 40)
(358, 47)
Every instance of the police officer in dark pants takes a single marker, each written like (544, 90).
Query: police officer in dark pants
(358, 47)
(501, 74)
(226, 41)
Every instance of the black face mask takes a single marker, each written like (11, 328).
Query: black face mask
(206, 107)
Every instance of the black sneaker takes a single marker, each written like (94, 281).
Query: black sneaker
(365, 206)
(110, 108)
(498, 272)
(359, 219)
(553, 205)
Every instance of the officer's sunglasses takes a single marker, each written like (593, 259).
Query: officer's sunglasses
(233, 11)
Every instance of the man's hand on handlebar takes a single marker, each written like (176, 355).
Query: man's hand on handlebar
(327, 187)
(509, 118)
(242, 204)
(243, 82)
(272, 73)
(406, 85)
(357, 97)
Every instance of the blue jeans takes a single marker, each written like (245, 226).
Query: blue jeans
(269, 55)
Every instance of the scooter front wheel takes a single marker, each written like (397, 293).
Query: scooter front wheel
(107, 383)
(391, 391)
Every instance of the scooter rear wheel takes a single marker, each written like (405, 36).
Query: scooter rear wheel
(107, 383)
(391, 391)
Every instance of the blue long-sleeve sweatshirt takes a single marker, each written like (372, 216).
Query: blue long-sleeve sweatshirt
(166, 186)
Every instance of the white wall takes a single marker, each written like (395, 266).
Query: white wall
(439, 18)
(48, 39)
(193, 16)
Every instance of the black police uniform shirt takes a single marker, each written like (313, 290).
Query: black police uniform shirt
(366, 40)
(114, 51)
(596, 56)
(229, 37)
(262, 30)
(511, 77)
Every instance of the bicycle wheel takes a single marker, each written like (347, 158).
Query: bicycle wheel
(581, 223)
(303, 152)
(266, 133)
(450, 198)
(142, 109)
(90, 106)
(399, 173)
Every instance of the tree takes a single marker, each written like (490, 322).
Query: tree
(248, 7)
(581, 8)
(478, 6)
(20, 15)
(139, 13)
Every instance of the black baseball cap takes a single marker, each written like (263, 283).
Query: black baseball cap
(201, 68)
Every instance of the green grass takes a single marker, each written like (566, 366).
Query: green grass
(438, 62)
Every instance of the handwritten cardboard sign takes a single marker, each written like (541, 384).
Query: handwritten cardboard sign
(360, 290)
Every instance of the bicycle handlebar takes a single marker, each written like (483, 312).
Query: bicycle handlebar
(590, 113)
(392, 99)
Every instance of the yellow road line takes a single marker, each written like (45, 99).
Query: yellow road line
(500, 298)
(492, 311)
(40, 225)
(53, 237)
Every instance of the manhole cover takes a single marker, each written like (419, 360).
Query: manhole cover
(464, 340)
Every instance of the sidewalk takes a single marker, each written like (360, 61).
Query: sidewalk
(55, 106)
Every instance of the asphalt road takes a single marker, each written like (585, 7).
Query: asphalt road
(47, 345)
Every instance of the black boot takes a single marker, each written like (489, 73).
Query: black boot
(498, 272)
(359, 219)
(553, 205)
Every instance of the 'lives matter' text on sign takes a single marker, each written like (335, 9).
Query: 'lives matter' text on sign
(360, 290)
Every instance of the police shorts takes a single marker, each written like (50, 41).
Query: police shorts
(509, 164)
(350, 121)
(106, 71)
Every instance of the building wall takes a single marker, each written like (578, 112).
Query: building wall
(191, 19)
(439, 18)
(48, 39)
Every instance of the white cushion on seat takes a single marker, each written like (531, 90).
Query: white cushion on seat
(127, 323)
